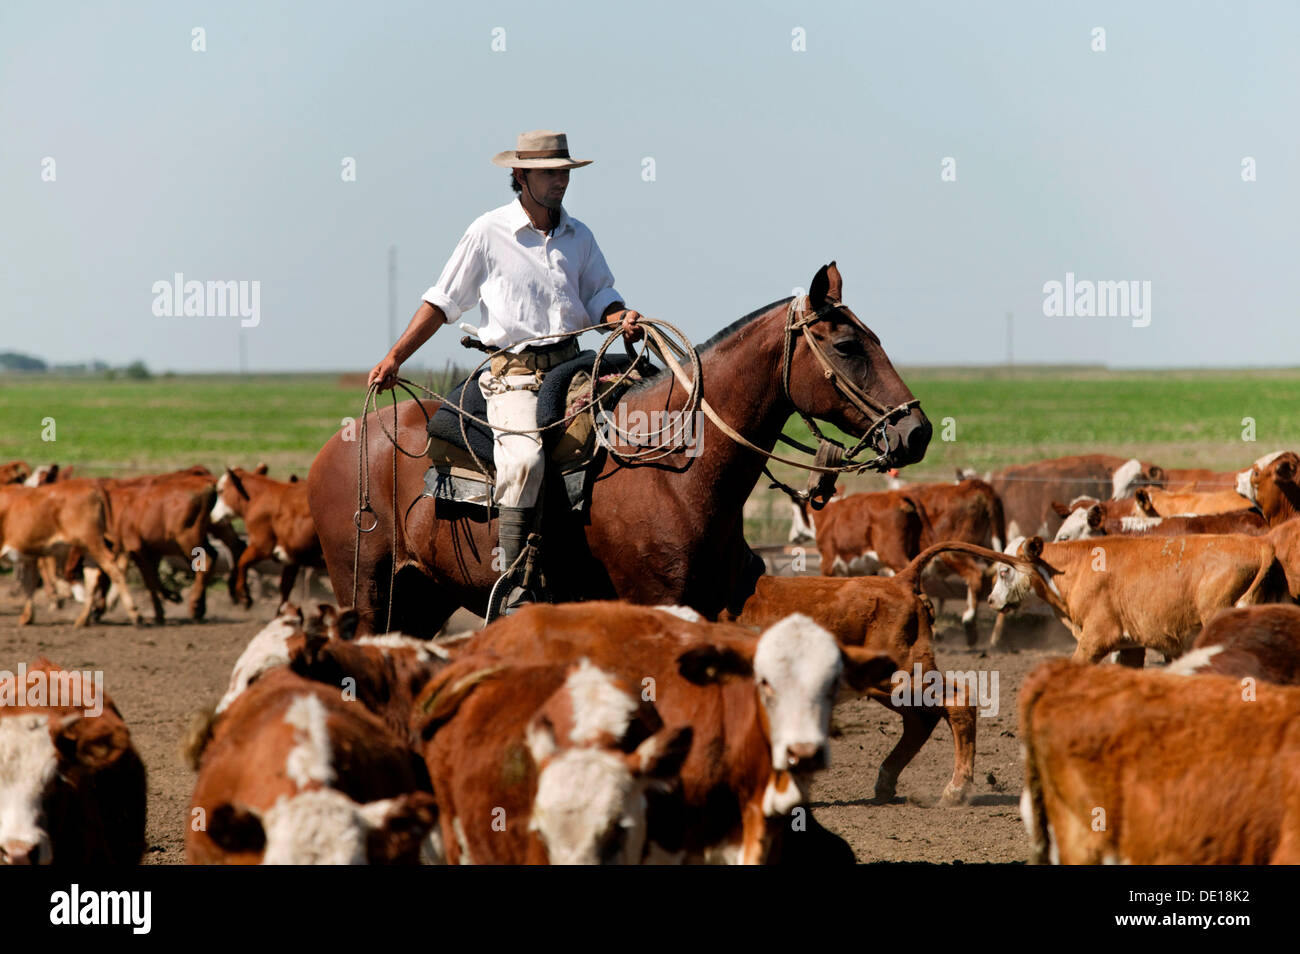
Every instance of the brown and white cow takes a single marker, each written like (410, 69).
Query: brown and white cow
(1155, 502)
(863, 534)
(1151, 768)
(162, 515)
(72, 787)
(1088, 522)
(760, 707)
(1128, 594)
(277, 521)
(888, 615)
(1260, 642)
(1027, 491)
(1273, 485)
(538, 764)
(292, 773)
(51, 519)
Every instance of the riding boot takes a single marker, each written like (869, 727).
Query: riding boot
(514, 525)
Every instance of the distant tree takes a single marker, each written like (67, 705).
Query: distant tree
(13, 361)
(137, 371)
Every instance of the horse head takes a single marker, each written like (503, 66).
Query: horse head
(835, 369)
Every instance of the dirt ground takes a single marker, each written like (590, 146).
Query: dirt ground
(159, 675)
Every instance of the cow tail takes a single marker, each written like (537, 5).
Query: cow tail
(911, 574)
(1269, 584)
(1033, 807)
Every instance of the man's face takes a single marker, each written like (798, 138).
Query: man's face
(548, 185)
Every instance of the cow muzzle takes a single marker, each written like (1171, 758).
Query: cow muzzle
(26, 852)
(806, 757)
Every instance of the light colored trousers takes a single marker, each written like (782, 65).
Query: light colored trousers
(519, 459)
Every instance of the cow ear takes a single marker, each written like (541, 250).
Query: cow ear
(1033, 548)
(1285, 469)
(439, 702)
(261, 469)
(238, 484)
(51, 475)
(348, 622)
(92, 743)
(1096, 517)
(662, 755)
(236, 829)
(1143, 500)
(398, 826)
(1156, 474)
(864, 669)
(303, 650)
(1061, 509)
(707, 665)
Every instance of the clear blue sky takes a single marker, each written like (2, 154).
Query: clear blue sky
(225, 165)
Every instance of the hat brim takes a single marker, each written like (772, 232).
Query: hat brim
(510, 160)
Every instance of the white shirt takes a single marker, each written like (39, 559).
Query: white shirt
(528, 283)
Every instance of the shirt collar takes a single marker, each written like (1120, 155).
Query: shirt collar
(519, 218)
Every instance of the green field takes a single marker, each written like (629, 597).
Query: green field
(1175, 418)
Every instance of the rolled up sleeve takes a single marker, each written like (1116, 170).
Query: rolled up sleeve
(457, 288)
(596, 285)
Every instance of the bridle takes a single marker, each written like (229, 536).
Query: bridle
(881, 415)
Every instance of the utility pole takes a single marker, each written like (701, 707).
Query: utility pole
(1010, 352)
(392, 294)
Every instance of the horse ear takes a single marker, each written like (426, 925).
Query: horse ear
(817, 291)
(836, 290)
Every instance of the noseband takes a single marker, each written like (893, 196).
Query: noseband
(881, 415)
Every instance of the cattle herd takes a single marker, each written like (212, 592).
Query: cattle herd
(606, 732)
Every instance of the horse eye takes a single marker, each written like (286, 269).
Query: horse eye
(850, 348)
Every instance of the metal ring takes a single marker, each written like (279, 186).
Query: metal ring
(356, 520)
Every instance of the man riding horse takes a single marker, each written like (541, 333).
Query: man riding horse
(536, 271)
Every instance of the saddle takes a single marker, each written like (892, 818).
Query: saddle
(565, 389)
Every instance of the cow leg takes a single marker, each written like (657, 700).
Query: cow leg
(104, 558)
(1096, 643)
(1133, 658)
(27, 574)
(996, 640)
(198, 600)
(95, 585)
(288, 576)
(961, 720)
(239, 576)
(49, 570)
(918, 724)
(148, 564)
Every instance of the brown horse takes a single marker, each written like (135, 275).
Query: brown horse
(664, 532)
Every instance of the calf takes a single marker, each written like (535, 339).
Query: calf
(544, 764)
(45, 520)
(293, 774)
(1156, 769)
(1261, 642)
(72, 788)
(889, 615)
(1128, 594)
(760, 708)
(278, 524)
(1085, 523)
(165, 515)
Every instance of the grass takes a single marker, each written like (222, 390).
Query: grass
(998, 417)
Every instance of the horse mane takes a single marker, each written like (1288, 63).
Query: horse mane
(653, 379)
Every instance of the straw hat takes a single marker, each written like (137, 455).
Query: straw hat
(539, 149)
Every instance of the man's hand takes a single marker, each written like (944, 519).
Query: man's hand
(385, 373)
(627, 318)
